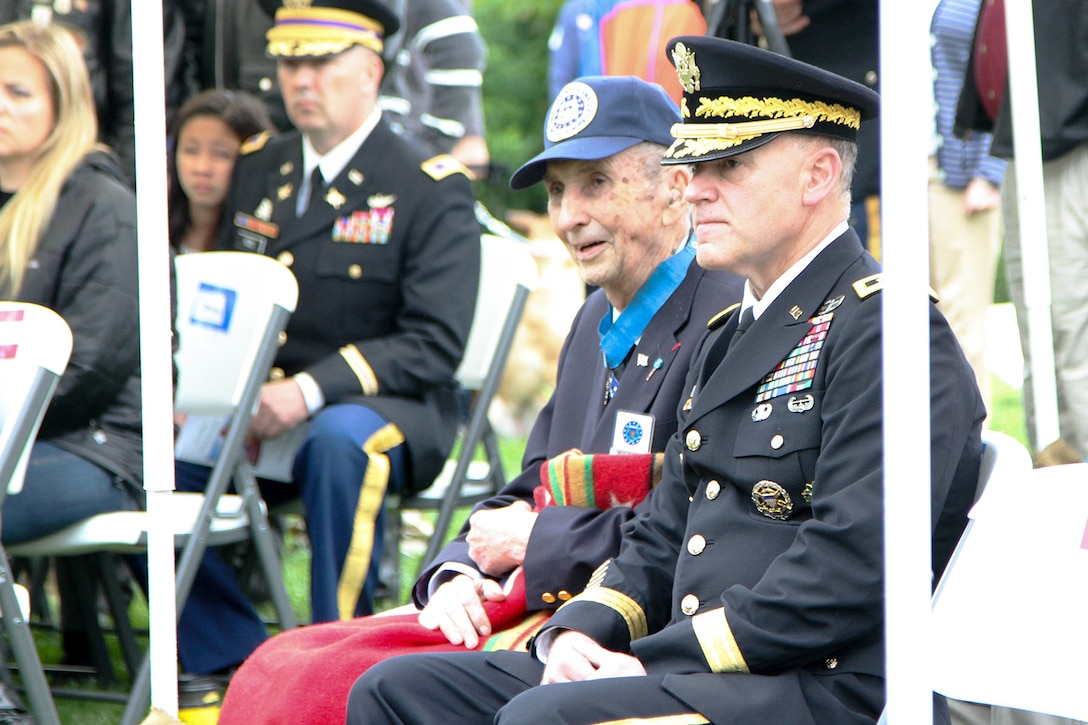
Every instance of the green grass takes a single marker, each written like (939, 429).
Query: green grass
(1006, 416)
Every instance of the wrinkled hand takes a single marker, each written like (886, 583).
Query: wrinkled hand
(281, 408)
(574, 657)
(497, 538)
(790, 15)
(980, 195)
(457, 609)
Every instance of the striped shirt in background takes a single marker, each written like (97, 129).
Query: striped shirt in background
(959, 160)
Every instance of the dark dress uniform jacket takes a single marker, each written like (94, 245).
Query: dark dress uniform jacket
(569, 542)
(387, 261)
(762, 551)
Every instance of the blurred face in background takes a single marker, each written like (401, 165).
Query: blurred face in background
(27, 114)
(205, 154)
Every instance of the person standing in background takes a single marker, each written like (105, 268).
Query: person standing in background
(1061, 55)
(964, 195)
(432, 92)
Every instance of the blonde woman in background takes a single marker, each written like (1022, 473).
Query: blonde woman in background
(68, 242)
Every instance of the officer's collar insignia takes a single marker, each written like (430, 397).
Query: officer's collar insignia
(286, 168)
(772, 500)
(335, 198)
(800, 404)
(356, 177)
(686, 70)
(264, 209)
(796, 372)
(284, 192)
(380, 201)
(571, 114)
(796, 312)
(761, 412)
(830, 305)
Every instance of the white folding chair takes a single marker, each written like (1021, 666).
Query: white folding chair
(232, 309)
(507, 274)
(35, 344)
(1006, 466)
(1008, 614)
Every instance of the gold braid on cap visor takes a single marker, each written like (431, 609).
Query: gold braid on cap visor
(321, 31)
(775, 114)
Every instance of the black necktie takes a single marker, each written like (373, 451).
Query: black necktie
(317, 188)
(746, 319)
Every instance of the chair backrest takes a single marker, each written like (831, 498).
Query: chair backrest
(35, 344)
(1014, 592)
(505, 265)
(225, 303)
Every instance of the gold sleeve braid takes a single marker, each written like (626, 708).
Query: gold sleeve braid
(631, 611)
(717, 642)
(368, 381)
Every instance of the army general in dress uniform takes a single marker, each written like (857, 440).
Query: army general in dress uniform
(752, 591)
(385, 246)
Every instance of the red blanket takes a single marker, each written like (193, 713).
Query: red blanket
(303, 676)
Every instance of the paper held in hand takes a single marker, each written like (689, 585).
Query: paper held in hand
(201, 437)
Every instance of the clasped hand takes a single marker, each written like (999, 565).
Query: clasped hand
(574, 657)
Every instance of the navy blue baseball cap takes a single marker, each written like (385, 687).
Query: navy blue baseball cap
(595, 117)
(738, 97)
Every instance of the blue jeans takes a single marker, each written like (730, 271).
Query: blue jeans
(61, 488)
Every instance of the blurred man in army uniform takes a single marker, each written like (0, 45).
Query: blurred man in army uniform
(752, 591)
(385, 247)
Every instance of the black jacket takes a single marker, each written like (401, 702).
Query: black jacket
(85, 269)
(1061, 56)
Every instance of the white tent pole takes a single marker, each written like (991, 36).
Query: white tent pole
(906, 101)
(1035, 253)
(155, 348)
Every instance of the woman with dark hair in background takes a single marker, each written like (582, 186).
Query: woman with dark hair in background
(208, 134)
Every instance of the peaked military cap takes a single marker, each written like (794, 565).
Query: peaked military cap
(315, 28)
(738, 97)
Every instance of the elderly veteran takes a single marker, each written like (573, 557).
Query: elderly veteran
(752, 590)
(385, 247)
(621, 377)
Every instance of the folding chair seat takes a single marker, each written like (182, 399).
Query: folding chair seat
(35, 344)
(507, 274)
(232, 309)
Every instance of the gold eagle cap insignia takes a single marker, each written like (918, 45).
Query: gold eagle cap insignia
(686, 70)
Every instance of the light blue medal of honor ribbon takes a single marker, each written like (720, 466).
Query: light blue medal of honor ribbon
(619, 336)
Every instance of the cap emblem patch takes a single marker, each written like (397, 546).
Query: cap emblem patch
(572, 112)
